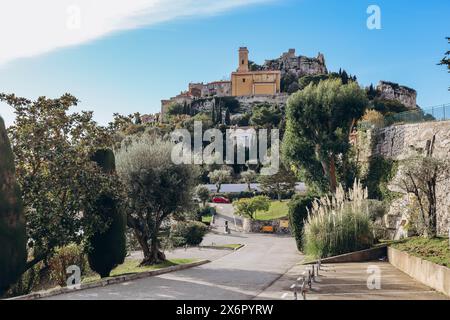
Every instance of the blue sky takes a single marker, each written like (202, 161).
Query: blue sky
(130, 66)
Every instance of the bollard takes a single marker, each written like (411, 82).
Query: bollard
(294, 287)
(309, 279)
(304, 290)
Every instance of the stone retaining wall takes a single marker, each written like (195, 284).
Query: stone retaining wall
(398, 142)
(430, 274)
(256, 226)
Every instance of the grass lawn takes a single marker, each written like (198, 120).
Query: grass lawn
(132, 266)
(435, 250)
(277, 210)
(207, 219)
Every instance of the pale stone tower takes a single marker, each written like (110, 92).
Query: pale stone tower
(243, 59)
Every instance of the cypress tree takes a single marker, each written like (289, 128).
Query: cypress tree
(108, 248)
(13, 251)
(227, 117)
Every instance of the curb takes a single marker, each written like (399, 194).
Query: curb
(222, 248)
(356, 256)
(105, 282)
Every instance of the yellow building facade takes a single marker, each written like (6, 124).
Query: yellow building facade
(248, 83)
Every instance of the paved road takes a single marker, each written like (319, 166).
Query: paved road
(239, 275)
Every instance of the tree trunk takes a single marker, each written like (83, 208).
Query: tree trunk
(432, 210)
(155, 255)
(332, 175)
(143, 242)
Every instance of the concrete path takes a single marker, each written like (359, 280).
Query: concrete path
(348, 281)
(225, 212)
(243, 274)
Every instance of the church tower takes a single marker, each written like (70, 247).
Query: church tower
(243, 59)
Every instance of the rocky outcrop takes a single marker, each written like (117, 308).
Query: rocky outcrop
(297, 65)
(393, 91)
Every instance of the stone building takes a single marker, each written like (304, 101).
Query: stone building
(245, 82)
(183, 98)
(212, 89)
(394, 91)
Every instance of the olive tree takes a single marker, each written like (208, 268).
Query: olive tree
(203, 194)
(279, 184)
(156, 190)
(248, 177)
(218, 177)
(420, 176)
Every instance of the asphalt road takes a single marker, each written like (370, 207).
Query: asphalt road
(243, 274)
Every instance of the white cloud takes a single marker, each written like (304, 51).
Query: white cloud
(33, 27)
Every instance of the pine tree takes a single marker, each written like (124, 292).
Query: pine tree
(13, 253)
(107, 249)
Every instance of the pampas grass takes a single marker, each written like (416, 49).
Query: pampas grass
(339, 224)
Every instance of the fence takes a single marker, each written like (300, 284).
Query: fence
(436, 113)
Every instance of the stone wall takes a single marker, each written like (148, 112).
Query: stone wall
(398, 142)
(246, 102)
(255, 226)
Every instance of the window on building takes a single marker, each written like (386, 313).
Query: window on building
(243, 80)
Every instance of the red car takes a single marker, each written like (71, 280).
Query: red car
(220, 200)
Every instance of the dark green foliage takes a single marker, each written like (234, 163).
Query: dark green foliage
(381, 172)
(304, 81)
(230, 103)
(189, 233)
(254, 66)
(297, 215)
(319, 122)
(227, 117)
(206, 211)
(13, 252)
(388, 107)
(242, 121)
(107, 247)
(175, 109)
(266, 115)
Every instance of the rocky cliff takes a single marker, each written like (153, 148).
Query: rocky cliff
(300, 66)
(393, 91)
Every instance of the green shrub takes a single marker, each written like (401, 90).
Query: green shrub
(62, 259)
(205, 211)
(187, 233)
(298, 212)
(248, 207)
(13, 252)
(381, 172)
(107, 248)
(339, 224)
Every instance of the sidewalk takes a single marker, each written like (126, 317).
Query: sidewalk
(348, 281)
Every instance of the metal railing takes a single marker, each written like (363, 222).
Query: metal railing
(436, 113)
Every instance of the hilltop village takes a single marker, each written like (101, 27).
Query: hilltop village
(271, 84)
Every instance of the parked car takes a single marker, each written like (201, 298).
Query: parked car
(220, 200)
